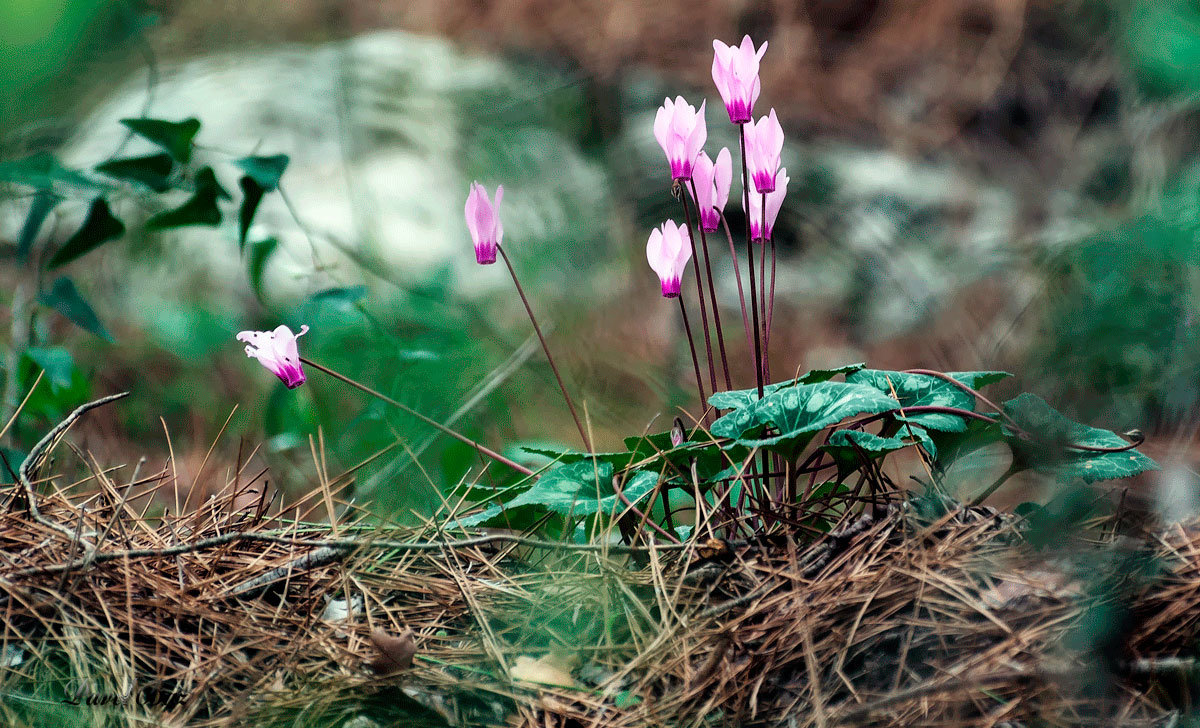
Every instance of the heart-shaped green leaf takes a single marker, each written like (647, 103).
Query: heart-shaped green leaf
(176, 137)
(98, 228)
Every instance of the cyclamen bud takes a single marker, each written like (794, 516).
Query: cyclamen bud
(668, 251)
(483, 221)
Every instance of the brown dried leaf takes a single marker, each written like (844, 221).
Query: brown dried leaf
(395, 653)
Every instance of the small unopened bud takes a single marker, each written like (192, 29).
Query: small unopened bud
(677, 433)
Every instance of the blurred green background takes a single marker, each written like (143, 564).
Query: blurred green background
(976, 185)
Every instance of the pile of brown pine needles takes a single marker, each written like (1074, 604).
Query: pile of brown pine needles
(228, 615)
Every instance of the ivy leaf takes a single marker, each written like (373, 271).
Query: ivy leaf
(256, 262)
(152, 171)
(584, 488)
(1053, 431)
(342, 298)
(201, 209)
(43, 171)
(98, 228)
(824, 375)
(849, 447)
(920, 390)
(64, 298)
(43, 203)
(176, 137)
(264, 171)
(978, 380)
(742, 397)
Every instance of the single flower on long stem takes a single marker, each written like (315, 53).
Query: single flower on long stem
(277, 351)
(483, 222)
(710, 188)
(668, 254)
(750, 265)
(735, 73)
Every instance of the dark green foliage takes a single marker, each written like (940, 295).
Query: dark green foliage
(100, 227)
(44, 203)
(64, 297)
(201, 209)
(175, 137)
(152, 171)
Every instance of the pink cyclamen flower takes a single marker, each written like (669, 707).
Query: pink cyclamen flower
(483, 220)
(277, 351)
(735, 72)
(774, 204)
(712, 182)
(681, 132)
(668, 251)
(764, 146)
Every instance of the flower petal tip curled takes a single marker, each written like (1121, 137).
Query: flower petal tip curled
(681, 132)
(668, 251)
(277, 351)
(483, 222)
(735, 72)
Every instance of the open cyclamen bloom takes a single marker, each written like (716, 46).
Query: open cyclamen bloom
(774, 204)
(483, 220)
(681, 132)
(764, 146)
(735, 72)
(668, 251)
(712, 187)
(277, 351)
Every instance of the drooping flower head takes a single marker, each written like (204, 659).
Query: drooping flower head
(764, 146)
(681, 132)
(277, 351)
(735, 72)
(483, 220)
(774, 204)
(668, 251)
(712, 182)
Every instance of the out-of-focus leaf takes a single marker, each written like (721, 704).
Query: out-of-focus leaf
(64, 297)
(152, 171)
(98, 228)
(256, 262)
(176, 137)
(343, 297)
(42, 171)
(252, 194)
(1049, 452)
(265, 171)
(201, 209)
(43, 203)
(56, 362)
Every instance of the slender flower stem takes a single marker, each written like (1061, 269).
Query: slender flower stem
(737, 274)
(771, 305)
(712, 291)
(432, 423)
(762, 277)
(687, 329)
(758, 374)
(553, 367)
(687, 214)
